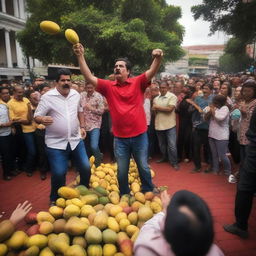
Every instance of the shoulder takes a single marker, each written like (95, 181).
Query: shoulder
(26, 100)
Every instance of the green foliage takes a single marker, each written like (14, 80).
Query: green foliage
(231, 16)
(194, 61)
(108, 29)
(235, 58)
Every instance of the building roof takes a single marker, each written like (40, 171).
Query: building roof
(215, 47)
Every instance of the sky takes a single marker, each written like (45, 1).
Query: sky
(196, 32)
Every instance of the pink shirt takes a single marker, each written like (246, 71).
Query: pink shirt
(151, 241)
(92, 117)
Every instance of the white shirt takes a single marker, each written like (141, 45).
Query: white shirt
(4, 118)
(64, 111)
(147, 109)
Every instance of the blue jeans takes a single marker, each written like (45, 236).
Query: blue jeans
(30, 143)
(94, 137)
(58, 160)
(138, 148)
(219, 149)
(167, 143)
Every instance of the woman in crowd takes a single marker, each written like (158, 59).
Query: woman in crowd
(219, 133)
(226, 90)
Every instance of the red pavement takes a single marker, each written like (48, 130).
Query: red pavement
(217, 192)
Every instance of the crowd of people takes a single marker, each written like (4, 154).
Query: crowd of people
(46, 124)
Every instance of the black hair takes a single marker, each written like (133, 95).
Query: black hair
(42, 86)
(219, 100)
(208, 85)
(62, 71)
(188, 236)
(250, 83)
(229, 88)
(128, 64)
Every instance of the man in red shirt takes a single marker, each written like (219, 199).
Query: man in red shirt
(125, 100)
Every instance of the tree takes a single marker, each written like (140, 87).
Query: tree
(235, 17)
(108, 29)
(234, 58)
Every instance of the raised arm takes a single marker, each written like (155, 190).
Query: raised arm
(157, 55)
(79, 51)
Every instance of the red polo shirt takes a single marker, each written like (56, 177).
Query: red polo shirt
(126, 105)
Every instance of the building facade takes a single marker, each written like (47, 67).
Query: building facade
(13, 64)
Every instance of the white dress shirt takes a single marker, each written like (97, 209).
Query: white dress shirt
(64, 111)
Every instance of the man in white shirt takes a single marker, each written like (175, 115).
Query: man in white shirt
(60, 111)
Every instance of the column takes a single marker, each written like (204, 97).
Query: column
(20, 63)
(3, 5)
(22, 9)
(16, 8)
(8, 49)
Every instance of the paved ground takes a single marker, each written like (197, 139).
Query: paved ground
(218, 193)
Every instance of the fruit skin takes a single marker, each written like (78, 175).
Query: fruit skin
(109, 250)
(6, 229)
(17, 240)
(94, 250)
(30, 218)
(71, 210)
(49, 27)
(109, 236)
(45, 228)
(68, 193)
(38, 240)
(32, 251)
(101, 191)
(71, 36)
(145, 213)
(46, 252)
(75, 226)
(79, 240)
(56, 211)
(3, 249)
(59, 225)
(44, 216)
(82, 189)
(93, 235)
(112, 224)
(126, 247)
(33, 230)
(75, 250)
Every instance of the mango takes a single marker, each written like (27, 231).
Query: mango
(61, 202)
(46, 252)
(140, 197)
(109, 249)
(114, 197)
(131, 229)
(59, 225)
(155, 207)
(149, 195)
(6, 230)
(68, 193)
(75, 226)
(75, 250)
(133, 218)
(94, 250)
(71, 210)
(3, 249)
(77, 202)
(32, 251)
(145, 213)
(71, 36)
(98, 207)
(90, 199)
(56, 211)
(114, 210)
(112, 224)
(17, 240)
(79, 240)
(101, 191)
(38, 240)
(49, 27)
(109, 236)
(44, 216)
(93, 235)
(58, 245)
(101, 220)
(46, 227)
(82, 189)
(123, 224)
(120, 215)
(86, 210)
(135, 187)
(126, 247)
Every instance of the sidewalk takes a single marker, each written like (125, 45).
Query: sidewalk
(217, 192)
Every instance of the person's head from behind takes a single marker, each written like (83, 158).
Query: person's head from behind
(122, 69)
(188, 225)
(63, 80)
(219, 101)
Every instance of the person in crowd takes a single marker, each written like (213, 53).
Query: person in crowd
(246, 107)
(226, 91)
(185, 127)
(60, 111)
(198, 87)
(44, 88)
(216, 87)
(165, 124)
(21, 116)
(200, 128)
(125, 100)
(6, 150)
(183, 228)
(93, 107)
(246, 185)
(219, 133)
(178, 90)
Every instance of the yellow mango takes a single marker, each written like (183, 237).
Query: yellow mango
(113, 225)
(109, 250)
(68, 193)
(71, 36)
(49, 27)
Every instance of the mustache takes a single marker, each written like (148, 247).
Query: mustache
(66, 86)
(117, 72)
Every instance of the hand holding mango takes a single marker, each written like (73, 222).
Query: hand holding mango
(78, 49)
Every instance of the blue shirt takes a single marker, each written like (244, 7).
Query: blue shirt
(197, 118)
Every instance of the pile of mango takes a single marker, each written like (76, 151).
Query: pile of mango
(93, 222)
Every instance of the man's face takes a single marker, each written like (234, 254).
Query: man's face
(18, 93)
(64, 85)
(178, 87)
(120, 71)
(216, 87)
(34, 99)
(206, 90)
(38, 81)
(90, 89)
(163, 89)
(45, 89)
(5, 95)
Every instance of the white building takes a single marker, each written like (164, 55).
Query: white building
(13, 64)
